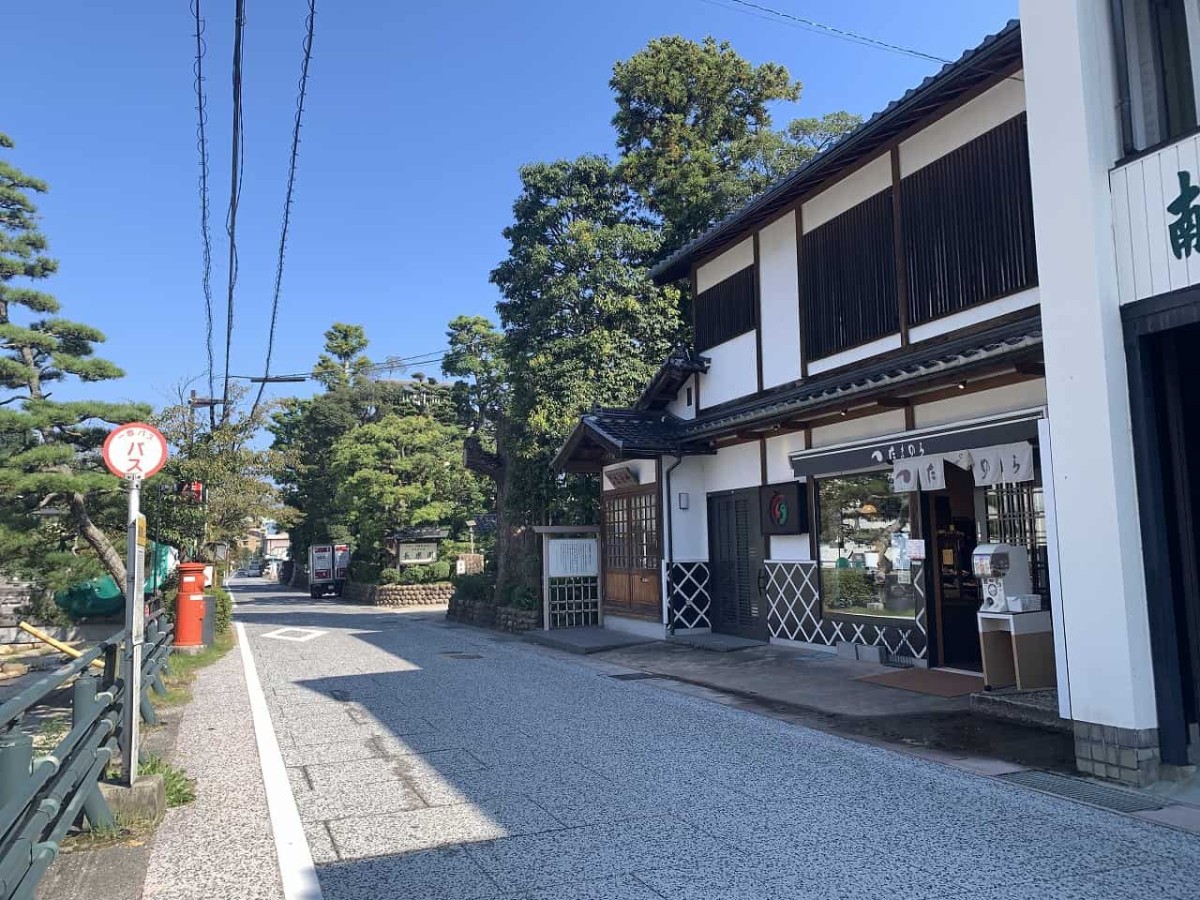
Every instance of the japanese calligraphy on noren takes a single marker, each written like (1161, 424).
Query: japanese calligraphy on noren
(1185, 230)
(135, 450)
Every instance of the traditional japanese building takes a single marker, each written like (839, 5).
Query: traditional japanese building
(864, 403)
(1112, 90)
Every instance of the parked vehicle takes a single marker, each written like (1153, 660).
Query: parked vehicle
(328, 567)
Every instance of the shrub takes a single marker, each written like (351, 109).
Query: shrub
(475, 588)
(524, 597)
(844, 588)
(224, 607)
(434, 572)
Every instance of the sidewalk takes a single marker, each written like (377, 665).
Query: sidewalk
(221, 845)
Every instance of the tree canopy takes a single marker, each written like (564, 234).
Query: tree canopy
(56, 498)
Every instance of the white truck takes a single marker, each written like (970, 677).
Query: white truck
(328, 568)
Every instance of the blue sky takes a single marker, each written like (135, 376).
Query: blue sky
(418, 116)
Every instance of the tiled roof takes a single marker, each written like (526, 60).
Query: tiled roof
(993, 55)
(957, 356)
(627, 433)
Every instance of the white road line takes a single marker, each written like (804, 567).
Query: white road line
(295, 859)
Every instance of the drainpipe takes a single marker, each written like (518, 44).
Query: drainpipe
(670, 623)
(1121, 57)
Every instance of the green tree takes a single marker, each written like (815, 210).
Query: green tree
(48, 449)
(399, 472)
(693, 124)
(236, 475)
(583, 323)
(305, 432)
(343, 361)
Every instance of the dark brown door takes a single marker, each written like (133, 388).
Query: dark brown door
(632, 557)
(736, 550)
(956, 591)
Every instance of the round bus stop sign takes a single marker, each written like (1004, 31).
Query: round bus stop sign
(136, 450)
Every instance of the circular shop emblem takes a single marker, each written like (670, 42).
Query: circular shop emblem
(778, 509)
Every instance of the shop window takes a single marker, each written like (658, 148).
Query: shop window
(864, 532)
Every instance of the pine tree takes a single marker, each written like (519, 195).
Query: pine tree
(49, 460)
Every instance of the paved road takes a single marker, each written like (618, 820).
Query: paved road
(435, 762)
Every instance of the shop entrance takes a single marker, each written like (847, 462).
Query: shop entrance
(736, 551)
(951, 518)
(1165, 397)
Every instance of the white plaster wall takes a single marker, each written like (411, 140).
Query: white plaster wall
(780, 292)
(645, 468)
(779, 449)
(679, 406)
(739, 466)
(855, 354)
(974, 315)
(689, 527)
(721, 267)
(1073, 142)
(790, 548)
(969, 121)
(891, 422)
(733, 371)
(1013, 397)
(852, 190)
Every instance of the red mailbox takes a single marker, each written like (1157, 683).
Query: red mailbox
(189, 606)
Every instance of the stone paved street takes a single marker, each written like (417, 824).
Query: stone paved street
(436, 762)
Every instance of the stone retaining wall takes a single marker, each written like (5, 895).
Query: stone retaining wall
(488, 615)
(398, 594)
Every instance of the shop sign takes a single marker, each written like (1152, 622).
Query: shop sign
(784, 508)
(417, 554)
(885, 454)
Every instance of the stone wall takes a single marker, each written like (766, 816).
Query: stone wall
(510, 618)
(488, 615)
(398, 594)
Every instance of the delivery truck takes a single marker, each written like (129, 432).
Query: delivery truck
(328, 569)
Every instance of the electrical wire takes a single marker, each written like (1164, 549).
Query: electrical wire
(769, 13)
(287, 200)
(235, 192)
(202, 146)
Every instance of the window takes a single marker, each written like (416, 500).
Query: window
(727, 309)
(848, 279)
(1161, 91)
(968, 225)
(864, 531)
(1016, 514)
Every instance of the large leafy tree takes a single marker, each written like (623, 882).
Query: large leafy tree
(235, 474)
(306, 431)
(402, 471)
(694, 126)
(584, 324)
(56, 499)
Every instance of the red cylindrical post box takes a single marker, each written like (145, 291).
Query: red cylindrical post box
(189, 606)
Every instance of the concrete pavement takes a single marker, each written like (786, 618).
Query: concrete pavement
(436, 762)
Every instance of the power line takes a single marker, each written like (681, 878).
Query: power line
(833, 31)
(202, 146)
(235, 189)
(768, 13)
(287, 200)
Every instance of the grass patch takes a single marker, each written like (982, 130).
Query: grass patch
(184, 668)
(181, 789)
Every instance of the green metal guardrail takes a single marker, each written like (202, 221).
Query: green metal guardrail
(42, 797)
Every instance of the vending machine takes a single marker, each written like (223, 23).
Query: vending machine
(1003, 574)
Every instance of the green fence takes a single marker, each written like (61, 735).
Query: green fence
(42, 796)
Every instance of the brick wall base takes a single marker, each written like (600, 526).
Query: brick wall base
(1128, 755)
